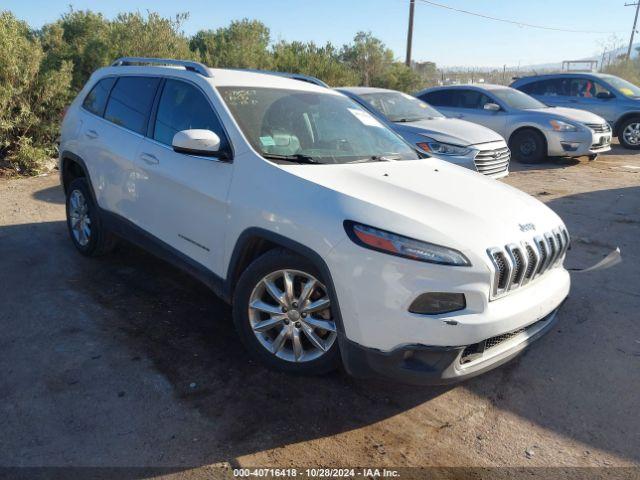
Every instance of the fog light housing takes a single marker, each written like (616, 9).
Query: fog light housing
(434, 303)
(570, 146)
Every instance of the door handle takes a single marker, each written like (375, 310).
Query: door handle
(460, 115)
(149, 159)
(91, 134)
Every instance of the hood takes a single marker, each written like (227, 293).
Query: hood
(580, 116)
(430, 200)
(450, 130)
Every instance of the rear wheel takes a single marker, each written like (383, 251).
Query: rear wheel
(629, 135)
(83, 221)
(283, 313)
(528, 146)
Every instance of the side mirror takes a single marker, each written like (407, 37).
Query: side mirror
(605, 95)
(492, 107)
(196, 142)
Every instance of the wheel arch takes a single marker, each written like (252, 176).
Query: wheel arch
(622, 119)
(73, 166)
(535, 129)
(254, 242)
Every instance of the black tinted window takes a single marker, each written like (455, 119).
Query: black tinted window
(130, 102)
(470, 99)
(97, 98)
(439, 98)
(183, 107)
(551, 87)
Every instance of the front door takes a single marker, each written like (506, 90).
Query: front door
(470, 107)
(183, 198)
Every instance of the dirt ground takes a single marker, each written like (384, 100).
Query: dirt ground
(124, 361)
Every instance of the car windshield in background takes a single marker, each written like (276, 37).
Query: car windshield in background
(628, 89)
(516, 99)
(400, 107)
(309, 127)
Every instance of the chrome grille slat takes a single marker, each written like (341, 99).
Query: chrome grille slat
(515, 265)
(599, 127)
(491, 162)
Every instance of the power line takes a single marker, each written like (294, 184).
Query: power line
(504, 20)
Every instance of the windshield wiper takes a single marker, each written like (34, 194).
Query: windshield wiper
(298, 157)
(408, 120)
(376, 158)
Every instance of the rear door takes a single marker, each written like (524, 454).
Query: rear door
(112, 141)
(550, 91)
(182, 198)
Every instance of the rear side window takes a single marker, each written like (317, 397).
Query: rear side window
(97, 98)
(182, 107)
(439, 98)
(552, 87)
(130, 102)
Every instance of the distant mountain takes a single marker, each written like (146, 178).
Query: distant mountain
(608, 56)
(541, 67)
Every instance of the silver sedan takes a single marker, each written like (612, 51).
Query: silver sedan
(532, 129)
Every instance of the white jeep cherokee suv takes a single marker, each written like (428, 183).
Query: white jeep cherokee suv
(331, 237)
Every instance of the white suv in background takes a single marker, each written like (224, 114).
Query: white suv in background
(331, 237)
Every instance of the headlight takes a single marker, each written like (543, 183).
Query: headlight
(387, 242)
(442, 148)
(560, 126)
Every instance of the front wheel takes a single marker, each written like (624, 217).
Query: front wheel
(528, 146)
(630, 133)
(283, 313)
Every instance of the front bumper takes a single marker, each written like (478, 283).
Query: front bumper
(428, 365)
(577, 144)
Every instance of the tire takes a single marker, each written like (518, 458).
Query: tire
(629, 133)
(528, 146)
(277, 333)
(85, 226)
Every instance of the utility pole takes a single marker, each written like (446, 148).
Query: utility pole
(635, 22)
(412, 6)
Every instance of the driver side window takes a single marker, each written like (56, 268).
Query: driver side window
(182, 107)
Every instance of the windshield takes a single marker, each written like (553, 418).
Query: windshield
(309, 127)
(628, 89)
(400, 107)
(516, 99)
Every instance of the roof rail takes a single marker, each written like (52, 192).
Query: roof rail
(187, 64)
(295, 76)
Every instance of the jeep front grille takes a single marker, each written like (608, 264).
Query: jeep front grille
(515, 265)
(493, 162)
(599, 127)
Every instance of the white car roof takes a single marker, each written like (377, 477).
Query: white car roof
(220, 77)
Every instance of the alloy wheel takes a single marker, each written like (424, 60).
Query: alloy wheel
(290, 315)
(631, 133)
(79, 218)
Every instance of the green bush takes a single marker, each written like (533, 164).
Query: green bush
(31, 97)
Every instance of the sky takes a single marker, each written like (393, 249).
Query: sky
(446, 37)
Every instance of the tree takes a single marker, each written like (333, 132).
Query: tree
(243, 44)
(368, 56)
(310, 59)
(90, 41)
